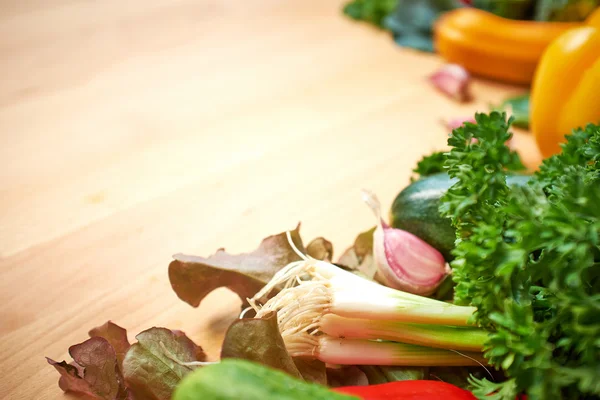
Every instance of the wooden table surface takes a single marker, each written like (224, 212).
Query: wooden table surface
(132, 130)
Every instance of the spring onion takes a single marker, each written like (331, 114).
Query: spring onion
(333, 290)
(440, 336)
(367, 352)
(330, 314)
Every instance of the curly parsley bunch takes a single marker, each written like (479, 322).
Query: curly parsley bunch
(529, 259)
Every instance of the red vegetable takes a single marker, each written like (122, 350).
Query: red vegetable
(408, 390)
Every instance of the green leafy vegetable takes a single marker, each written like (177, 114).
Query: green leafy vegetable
(475, 203)
(312, 370)
(347, 375)
(462, 377)
(193, 278)
(394, 374)
(116, 336)
(457, 376)
(94, 371)
(518, 108)
(430, 165)
(528, 258)
(513, 9)
(582, 150)
(564, 10)
(234, 379)
(320, 249)
(158, 361)
(374, 374)
(259, 340)
(372, 11)
(411, 22)
(359, 258)
(107, 367)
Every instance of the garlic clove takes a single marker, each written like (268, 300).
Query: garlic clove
(404, 261)
(454, 81)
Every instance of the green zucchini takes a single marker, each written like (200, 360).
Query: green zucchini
(416, 210)
(237, 379)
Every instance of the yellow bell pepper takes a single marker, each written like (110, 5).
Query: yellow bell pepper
(594, 18)
(566, 89)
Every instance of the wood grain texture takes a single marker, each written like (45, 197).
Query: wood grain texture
(132, 130)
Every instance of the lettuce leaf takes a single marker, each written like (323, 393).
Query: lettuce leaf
(258, 339)
(346, 375)
(156, 363)
(359, 258)
(106, 367)
(93, 372)
(116, 336)
(311, 370)
(321, 249)
(193, 278)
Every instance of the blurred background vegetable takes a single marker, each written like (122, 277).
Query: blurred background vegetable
(518, 107)
(234, 379)
(454, 81)
(494, 47)
(564, 10)
(566, 89)
(513, 9)
(372, 11)
(411, 21)
(241, 379)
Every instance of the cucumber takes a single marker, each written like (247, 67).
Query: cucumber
(415, 210)
(237, 379)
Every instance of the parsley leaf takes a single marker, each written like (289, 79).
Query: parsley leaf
(475, 203)
(430, 165)
(528, 257)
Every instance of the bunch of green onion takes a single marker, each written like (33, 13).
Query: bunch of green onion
(332, 315)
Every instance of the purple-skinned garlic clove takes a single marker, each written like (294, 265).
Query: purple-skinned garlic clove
(454, 81)
(404, 261)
